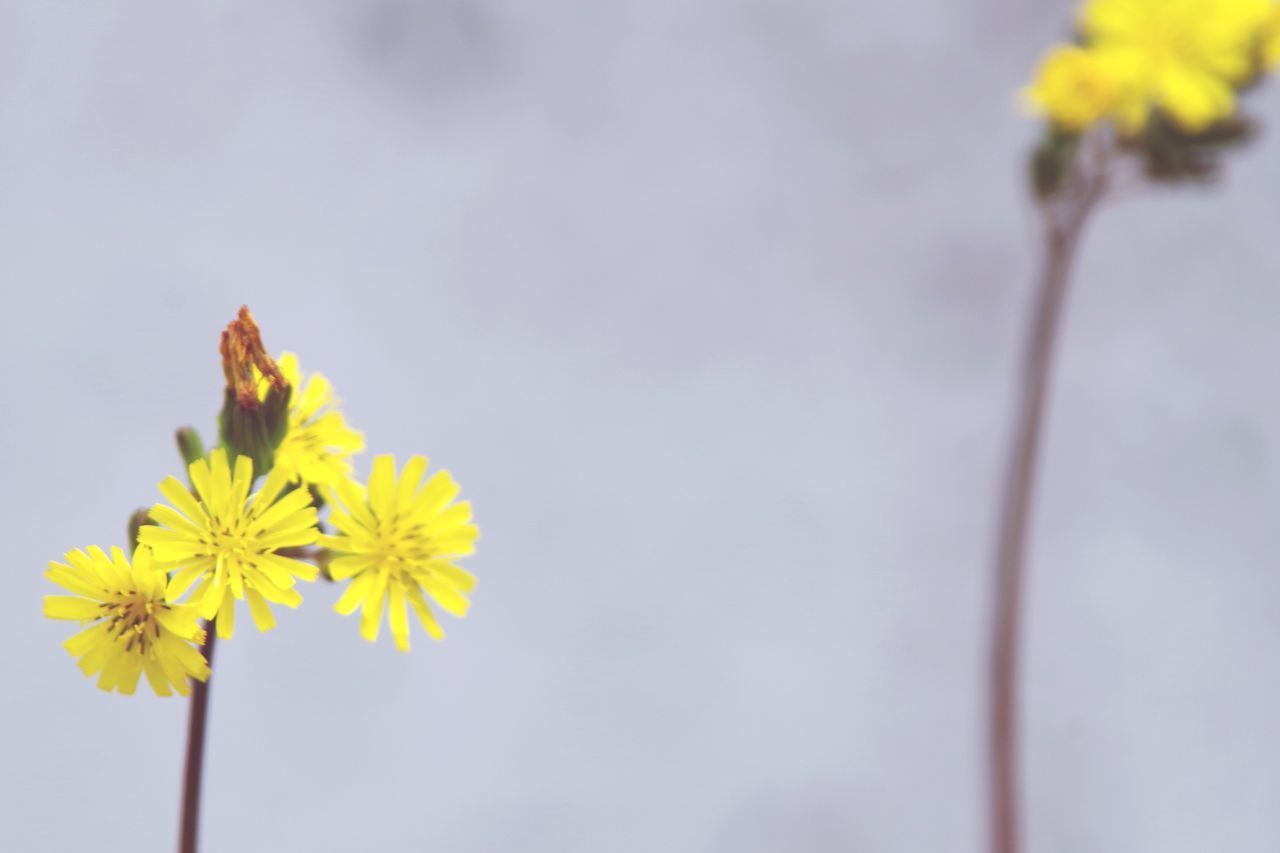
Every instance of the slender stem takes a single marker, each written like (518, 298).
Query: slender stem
(1063, 228)
(189, 832)
(192, 448)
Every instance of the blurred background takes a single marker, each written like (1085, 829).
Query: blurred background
(713, 308)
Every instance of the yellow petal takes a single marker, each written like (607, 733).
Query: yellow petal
(371, 610)
(410, 479)
(382, 486)
(185, 502)
(341, 568)
(71, 607)
(241, 482)
(227, 617)
(353, 594)
(439, 491)
(452, 601)
(259, 610)
(156, 677)
(69, 579)
(425, 616)
(398, 615)
(185, 577)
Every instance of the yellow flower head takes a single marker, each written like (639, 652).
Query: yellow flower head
(1076, 87)
(135, 628)
(396, 540)
(228, 540)
(318, 447)
(1188, 56)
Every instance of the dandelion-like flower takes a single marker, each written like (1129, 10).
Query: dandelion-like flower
(136, 628)
(1185, 57)
(229, 540)
(318, 446)
(396, 540)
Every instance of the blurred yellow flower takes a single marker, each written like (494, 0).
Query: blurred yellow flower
(318, 447)
(228, 540)
(136, 629)
(396, 540)
(1187, 56)
(1076, 87)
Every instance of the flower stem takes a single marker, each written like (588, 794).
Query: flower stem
(188, 835)
(1064, 223)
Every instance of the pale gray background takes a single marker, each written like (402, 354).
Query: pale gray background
(712, 308)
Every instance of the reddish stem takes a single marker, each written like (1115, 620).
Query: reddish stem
(188, 834)
(1063, 228)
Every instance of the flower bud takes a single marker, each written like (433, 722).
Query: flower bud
(140, 517)
(251, 426)
(190, 445)
(1052, 161)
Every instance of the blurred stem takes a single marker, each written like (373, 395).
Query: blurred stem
(189, 832)
(1065, 217)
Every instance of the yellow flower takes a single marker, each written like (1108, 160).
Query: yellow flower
(228, 540)
(396, 540)
(1076, 87)
(135, 627)
(1188, 56)
(318, 447)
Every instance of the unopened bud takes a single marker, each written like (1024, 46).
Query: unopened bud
(190, 445)
(139, 518)
(1051, 162)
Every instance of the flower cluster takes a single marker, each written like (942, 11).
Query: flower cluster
(216, 540)
(1184, 60)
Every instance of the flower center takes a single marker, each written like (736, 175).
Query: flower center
(399, 547)
(132, 617)
(230, 542)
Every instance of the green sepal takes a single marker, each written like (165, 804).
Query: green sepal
(255, 432)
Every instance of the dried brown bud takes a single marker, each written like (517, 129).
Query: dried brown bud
(247, 426)
(242, 351)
